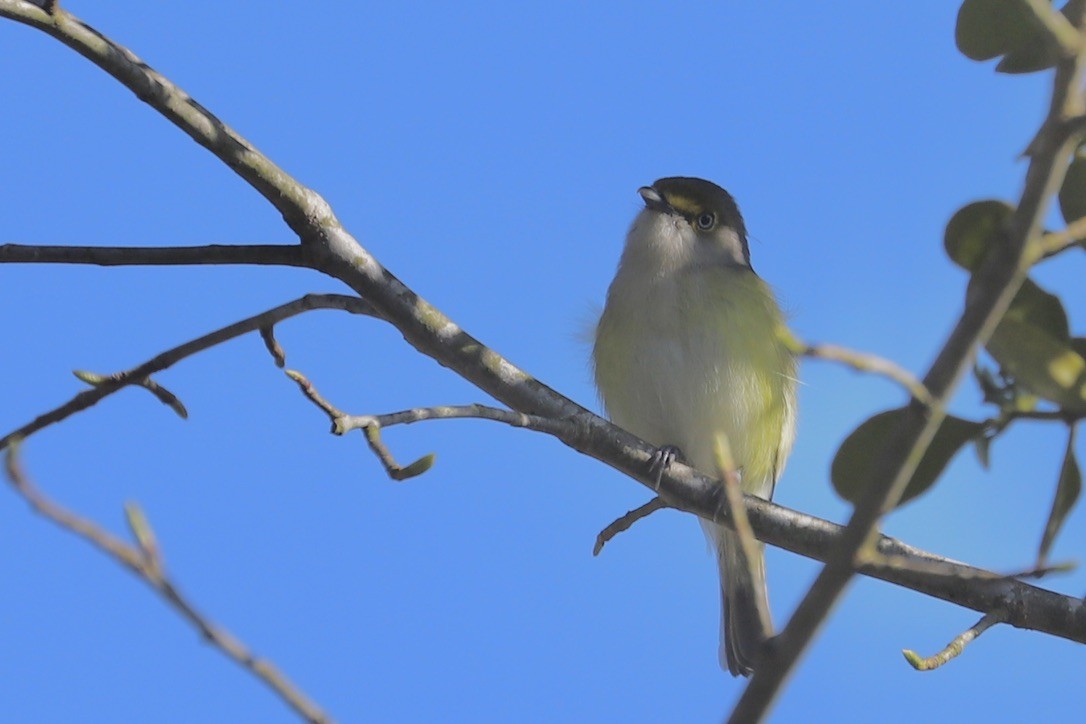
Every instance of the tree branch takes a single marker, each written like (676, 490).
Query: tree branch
(955, 647)
(895, 562)
(338, 254)
(272, 255)
(864, 362)
(622, 524)
(1059, 241)
(145, 561)
(139, 374)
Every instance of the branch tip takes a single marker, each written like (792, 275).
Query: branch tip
(955, 647)
(272, 344)
(625, 522)
(144, 535)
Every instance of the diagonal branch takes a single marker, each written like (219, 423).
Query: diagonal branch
(145, 561)
(895, 562)
(864, 362)
(137, 375)
(1059, 241)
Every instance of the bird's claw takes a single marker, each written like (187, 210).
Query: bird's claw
(661, 460)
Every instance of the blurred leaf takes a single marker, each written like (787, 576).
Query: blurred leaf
(1079, 345)
(989, 28)
(973, 229)
(1035, 306)
(1032, 52)
(1046, 366)
(1073, 191)
(1067, 492)
(1036, 54)
(858, 455)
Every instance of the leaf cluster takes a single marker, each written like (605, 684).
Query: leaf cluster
(1039, 370)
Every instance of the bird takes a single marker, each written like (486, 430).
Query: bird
(689, 348)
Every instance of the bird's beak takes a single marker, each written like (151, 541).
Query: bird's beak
(654, 200)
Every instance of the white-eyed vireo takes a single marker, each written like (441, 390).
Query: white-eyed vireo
(688, 347)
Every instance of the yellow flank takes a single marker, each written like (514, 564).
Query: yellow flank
(723, 317)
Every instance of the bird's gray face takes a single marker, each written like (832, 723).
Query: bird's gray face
(689, 221)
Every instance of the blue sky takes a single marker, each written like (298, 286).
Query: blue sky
(490, 157)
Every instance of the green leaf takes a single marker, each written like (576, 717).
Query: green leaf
(859, 455)
(1032, 51)
(989, 28)
(1067, 492)
(1033, 305)
(972, 231)
(1073, 191)
(1034, 55)
(1046, 366)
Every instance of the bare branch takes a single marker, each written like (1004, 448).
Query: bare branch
(626, 522)
(272, 344)
(337, 253)
(269, 255)
(949, 569)
(139, 374)
(164, 396)
(145, 561)
(864, 362)
(891, 560)
(1058, 241)
(955, 647)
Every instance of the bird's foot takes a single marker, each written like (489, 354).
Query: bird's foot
(663, 458)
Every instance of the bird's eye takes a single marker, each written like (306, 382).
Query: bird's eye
(706, 221)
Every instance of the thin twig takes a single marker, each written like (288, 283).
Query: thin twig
(142, 372)
(371, 425)
(749, 552)
(475, 411)
(1044, 570)
(272, 344)
(269, 255)
(864, 362)
(164, 396)
(955, 647)
(956, 570)
(342, 423)
(624, 523)
(145, 560)
(1052, 244)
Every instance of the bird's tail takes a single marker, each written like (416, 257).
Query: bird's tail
(744, 610)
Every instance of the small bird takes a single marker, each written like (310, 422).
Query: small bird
(689, 348)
